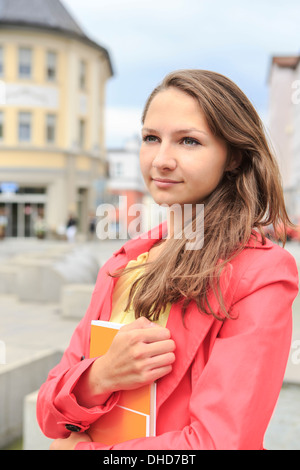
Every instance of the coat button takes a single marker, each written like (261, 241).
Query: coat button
(72, 428)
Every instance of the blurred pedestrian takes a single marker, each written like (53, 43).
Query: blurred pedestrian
(3, 223)
(92, 226)
(71, 228)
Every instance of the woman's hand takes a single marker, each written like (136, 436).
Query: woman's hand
(140, 353)
(70, 442)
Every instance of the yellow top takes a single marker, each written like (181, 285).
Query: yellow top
(121, 294)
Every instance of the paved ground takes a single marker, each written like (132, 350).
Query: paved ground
(29, 328)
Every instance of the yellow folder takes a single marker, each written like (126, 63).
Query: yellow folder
(134, 415)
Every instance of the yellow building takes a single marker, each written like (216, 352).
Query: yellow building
(52, 99)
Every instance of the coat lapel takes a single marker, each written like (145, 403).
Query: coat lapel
(188, 337)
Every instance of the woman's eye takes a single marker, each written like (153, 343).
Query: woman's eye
(190, 141)
(150, 138)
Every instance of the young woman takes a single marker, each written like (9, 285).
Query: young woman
(211, 325)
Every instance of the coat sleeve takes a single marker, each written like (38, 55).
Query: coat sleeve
(57, 405)
(234, 396)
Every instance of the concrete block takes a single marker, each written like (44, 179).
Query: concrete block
(16, 381)
(8, 276)
(75, 299)
(78, 267)
(41, 278)
(33, 438)
(38, 281)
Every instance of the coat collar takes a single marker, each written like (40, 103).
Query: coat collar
(144, 242)
(256, 241)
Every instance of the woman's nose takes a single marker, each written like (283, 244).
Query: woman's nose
(164, 158)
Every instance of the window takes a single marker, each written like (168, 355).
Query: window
(82, 75)
(82, 131)
(50, 128)
(31, 190)
(1, 61)
(118, 169)
(1, 125)
(24, 127)
(25, 62)
(51, 66)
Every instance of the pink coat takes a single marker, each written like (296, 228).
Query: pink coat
(227, 375)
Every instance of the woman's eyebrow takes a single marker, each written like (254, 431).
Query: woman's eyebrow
(179, 131)
(191, 129)
(147, 129)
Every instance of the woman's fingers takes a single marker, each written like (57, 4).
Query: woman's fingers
(144, 350)
(145, 334)
(141, 322)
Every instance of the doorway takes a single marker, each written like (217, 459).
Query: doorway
(21, 218)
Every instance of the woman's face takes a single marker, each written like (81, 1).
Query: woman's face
(182, 162)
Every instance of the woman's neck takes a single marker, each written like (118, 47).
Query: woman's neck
(186, 221)
(174, 220)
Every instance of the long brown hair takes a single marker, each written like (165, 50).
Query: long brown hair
(249, 197)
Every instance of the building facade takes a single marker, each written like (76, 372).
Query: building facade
(125, 187)
(133, 210)
(52, 101)
(284, 126)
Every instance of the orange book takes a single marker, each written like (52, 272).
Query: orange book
(134, 415)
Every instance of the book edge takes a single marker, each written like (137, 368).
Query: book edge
(107, 324)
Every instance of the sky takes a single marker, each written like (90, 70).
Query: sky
(148, 39)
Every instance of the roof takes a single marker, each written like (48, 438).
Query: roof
(290, 62)
(284, 62)
(50, 15)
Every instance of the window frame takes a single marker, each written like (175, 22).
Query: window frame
(24, 127)
(51, 66)
(22, 64)
(50, 128)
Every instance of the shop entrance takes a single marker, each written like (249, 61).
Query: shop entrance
(21, 218)
(20, 214)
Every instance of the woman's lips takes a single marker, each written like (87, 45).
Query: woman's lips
(165, 183)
